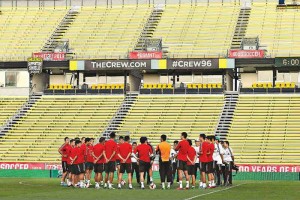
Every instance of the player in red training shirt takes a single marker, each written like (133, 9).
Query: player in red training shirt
(77, 166)
(69, 150)
(89, 164)
(64, 157)
(144, 153)
(99, 161)
(210, 165)
(191, 159)
(182, 148)
(124, 154)
(203, 159)
(110, 150)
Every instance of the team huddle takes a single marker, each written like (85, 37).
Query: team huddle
(211, 157)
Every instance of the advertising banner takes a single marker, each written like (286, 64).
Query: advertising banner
(34, 65)
(21, 165)
(50, 56)
(145, 55)
(268, 168)
(235, 53)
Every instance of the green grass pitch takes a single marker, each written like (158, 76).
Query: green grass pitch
(45, 189)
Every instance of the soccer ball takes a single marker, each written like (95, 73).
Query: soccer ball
(123, 182)
(152, 186)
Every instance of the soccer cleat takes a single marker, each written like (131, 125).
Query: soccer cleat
(97, 187)
(111, 188)
(87, 185)
(169, 187)
(193, 187)
(179, 188)
(186, 188)
(142, 188)
(105, 185)
(101, 183)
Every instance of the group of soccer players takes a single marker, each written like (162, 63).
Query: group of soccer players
(210, 156)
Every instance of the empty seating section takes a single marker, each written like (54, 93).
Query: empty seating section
(152, 116)
(195, 31)
(9, 106)
(275, 28)
(277, 85)
(24, 31)
(107, 86)
(265, 129)
(107, 32)
(204, 85)
(157, 85)
(60, 86)
(39, 134)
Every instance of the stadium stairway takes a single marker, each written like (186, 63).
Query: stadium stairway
(121, 113)
(231, 99)
(149, 28)
(241, 27)
(20, 113)
(60, 30)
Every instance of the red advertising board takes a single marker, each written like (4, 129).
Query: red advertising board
(246, 53)
(268, 168)
(21, 165)
(145, 55)
(50, 56)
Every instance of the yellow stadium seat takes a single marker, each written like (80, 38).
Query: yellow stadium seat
(219, 85)
(51, 86)
(169, 86)
(194, 86)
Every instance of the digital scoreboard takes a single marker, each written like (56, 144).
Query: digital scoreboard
(287, 62)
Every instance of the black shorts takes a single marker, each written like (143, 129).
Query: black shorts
(210, 167)
(217, 167)
(117, 162)
(69, 168)
(64, 166)
(181, 165)
(144, 166)
(80, 168)
(89, 165)
(110, 167)
(99, 168)
(73, 169)
(191, 169)
(203, 167)
(125, 167)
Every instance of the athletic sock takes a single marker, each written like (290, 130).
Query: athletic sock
(151, 179)
(204, 185)
(187, 184)
(130, 185)
(209, 183)
(213, 183)
(201, 184)
(180, 184)
(81, 183)
(163, 185)
(119, 185)
(142, 184)
(169, 184)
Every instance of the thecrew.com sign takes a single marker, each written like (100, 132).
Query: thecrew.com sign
(154, 64)
(117, 64)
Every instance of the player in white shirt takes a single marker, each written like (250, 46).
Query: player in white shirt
(228, 158)
(173, 155)
(197, 164)
(134, 163)
(218, 158)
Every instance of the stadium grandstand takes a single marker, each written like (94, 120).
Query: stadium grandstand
(229, 69)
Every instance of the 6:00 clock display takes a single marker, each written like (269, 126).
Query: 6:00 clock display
(285, 62)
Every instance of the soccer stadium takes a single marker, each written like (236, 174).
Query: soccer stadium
(149, 99)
